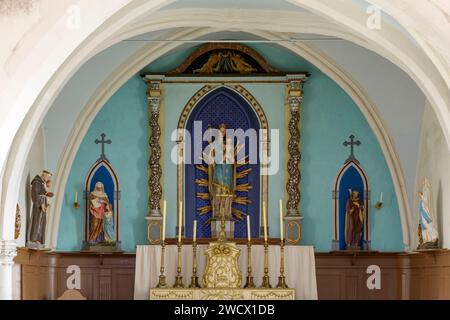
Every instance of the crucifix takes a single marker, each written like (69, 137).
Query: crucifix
(352, 143)
(103, 141)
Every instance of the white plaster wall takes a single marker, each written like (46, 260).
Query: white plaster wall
(434, 163)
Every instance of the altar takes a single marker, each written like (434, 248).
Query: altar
(300, 271)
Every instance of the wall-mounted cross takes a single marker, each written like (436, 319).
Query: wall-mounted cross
(103, 142)
(352, 143)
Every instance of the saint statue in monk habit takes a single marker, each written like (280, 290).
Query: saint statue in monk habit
(101, 216)
(354, 221)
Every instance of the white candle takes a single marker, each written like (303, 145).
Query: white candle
(350, 191)
(76, 196)
(164, 221)
(249, 236)
(281, 220)
(195, 230)
(381, 197)
(265, 221)
(180, 221)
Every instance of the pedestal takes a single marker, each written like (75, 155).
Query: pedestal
(7, 254)
(229, 228)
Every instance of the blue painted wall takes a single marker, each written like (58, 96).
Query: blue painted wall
(329, 117)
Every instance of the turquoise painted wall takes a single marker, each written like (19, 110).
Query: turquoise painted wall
(329, 117)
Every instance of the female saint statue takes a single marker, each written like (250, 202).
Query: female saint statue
(354, 221)
(101, 219)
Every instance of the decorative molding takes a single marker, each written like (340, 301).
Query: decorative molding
(7, 252)
(209, 48)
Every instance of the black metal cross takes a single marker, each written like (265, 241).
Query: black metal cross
(352, 143)
(103, 141)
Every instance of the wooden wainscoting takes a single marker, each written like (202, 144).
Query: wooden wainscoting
(340, 275)
(417, 275)
(103, 276)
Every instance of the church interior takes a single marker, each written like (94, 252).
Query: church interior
(256, 150)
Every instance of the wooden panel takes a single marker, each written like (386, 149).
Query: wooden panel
(340, 275)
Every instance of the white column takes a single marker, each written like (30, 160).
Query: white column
(7, 254)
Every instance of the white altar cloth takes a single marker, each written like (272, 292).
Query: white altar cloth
(300, 267)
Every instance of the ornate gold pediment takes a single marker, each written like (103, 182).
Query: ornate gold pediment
(225, 58)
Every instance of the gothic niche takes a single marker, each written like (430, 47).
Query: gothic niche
(351, 196)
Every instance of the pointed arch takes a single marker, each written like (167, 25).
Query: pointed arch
(351, 175)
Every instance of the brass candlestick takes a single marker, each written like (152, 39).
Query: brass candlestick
(249, 282)
(266, 279)
(179, 277)
(281, 279)
(162, 278)
(194, 278)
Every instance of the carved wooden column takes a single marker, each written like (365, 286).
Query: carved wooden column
(294, 102)
(154, 217)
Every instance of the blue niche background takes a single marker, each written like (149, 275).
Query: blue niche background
(351, 179)
(222, 105)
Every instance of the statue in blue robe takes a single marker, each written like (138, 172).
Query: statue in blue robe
(222, 176)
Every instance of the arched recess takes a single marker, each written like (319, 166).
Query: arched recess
(37, 107)
(350, 177)
(308, 52)
(256, 119)
(103, 172)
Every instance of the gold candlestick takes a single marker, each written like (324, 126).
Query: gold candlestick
(266, 280)
(162, 278)
(249, 282)
(179, 277)
(194, 278)
(281, 279)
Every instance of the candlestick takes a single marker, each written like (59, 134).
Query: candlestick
(281, 220)
(264, 222)
(163, 235)
(249, 236)
(249, 282)
(195, 230)
(266, 279)
(162, 278)
(194, 278)
(179, 277)
(76, 205)
(180, 220)
(281, 279)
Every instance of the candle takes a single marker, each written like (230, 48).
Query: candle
(281, 220)
(164, 221)
(180, 221)
(249, 236)
(76, 196)
(195, 230)
(265, 221)
(350, 191)
(381, 197)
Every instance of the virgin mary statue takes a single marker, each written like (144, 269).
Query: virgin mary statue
(428, 234)
(222, 173)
